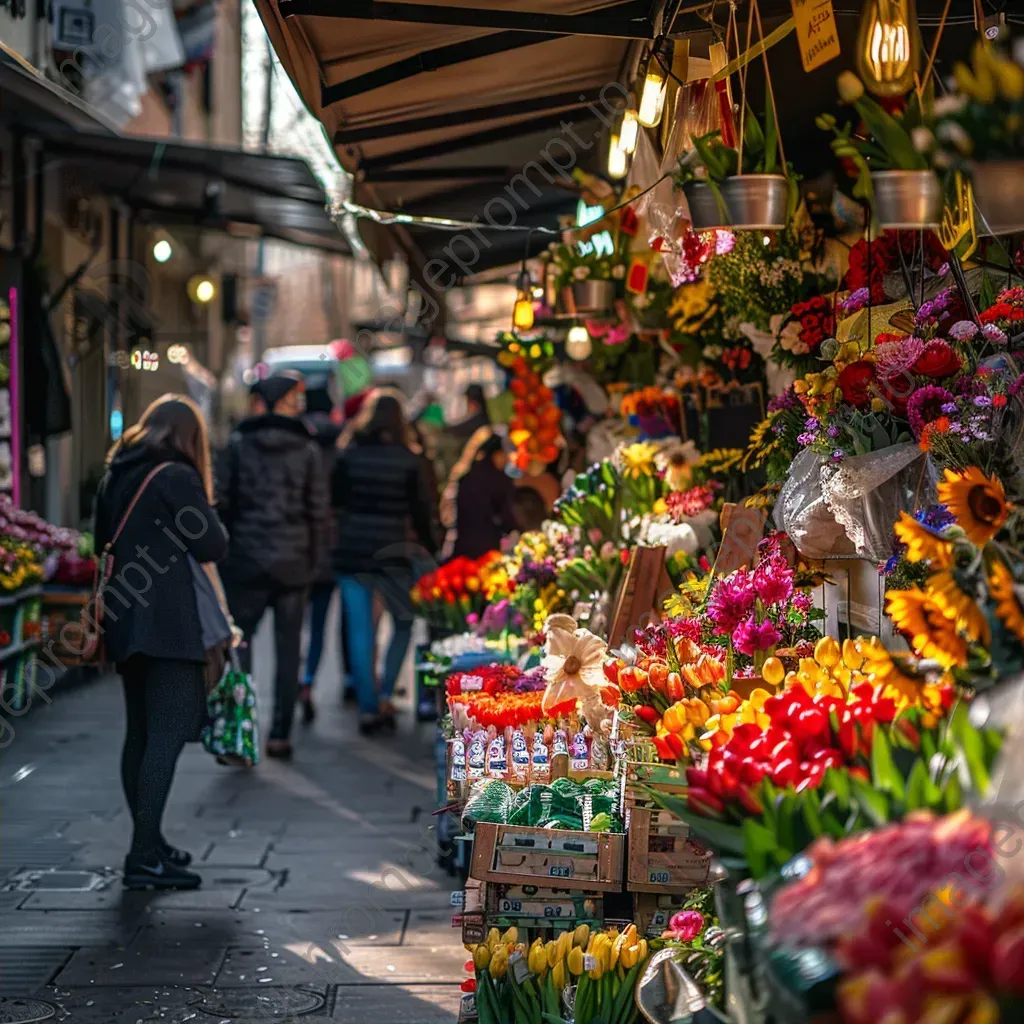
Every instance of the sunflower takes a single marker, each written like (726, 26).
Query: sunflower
(977, 501)
(931, 633)
(1002, 586)
(923, 543)
(959, 606)
(637, 460)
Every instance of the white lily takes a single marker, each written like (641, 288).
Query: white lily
(574, 666)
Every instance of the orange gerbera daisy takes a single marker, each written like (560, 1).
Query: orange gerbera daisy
(977, 501)
(932, 634)
(1002, 586)
(923, 543)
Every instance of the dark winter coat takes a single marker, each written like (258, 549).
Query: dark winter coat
(326, 434)
(382, 497)
(273, 497)
(484, 510)
(150, 605)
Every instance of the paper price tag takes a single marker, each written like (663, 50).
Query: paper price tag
(510, 906)
(468, 684)
(659, 877)
(816, 32)
(457, 898)
(589, 962)
(519, 967)
(560, 871)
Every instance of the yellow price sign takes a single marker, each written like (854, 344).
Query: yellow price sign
(816, 32)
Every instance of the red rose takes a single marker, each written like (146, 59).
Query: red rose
(937, 360)
(855, 382)
(896, 390)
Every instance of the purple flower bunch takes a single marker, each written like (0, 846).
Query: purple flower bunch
(530, 682)
(541, 573)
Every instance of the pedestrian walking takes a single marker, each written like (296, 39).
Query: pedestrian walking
(273, 498)
(382, 497)
(154, 506)
(326, 432)
(484, 504)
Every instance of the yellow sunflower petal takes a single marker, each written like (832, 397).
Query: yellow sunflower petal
(922, 544)
(931, 633)
(977, 501)
(1001, 584)
(945, 591)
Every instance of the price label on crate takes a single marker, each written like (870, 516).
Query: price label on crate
(589, 962)
(558, 910)
(457, 898)
(467, 1008)
(510, 906)
(560, 871)
(659, 877)
(519, 967)
(458, 760)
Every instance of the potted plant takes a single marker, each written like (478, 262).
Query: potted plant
(980, 132)
(587, 279)
(748, 187)
(893, 170)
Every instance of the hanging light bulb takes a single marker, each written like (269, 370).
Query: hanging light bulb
(522, 311)
(888, 46)
(618, 162)
(577, 343)
(629, 130)
(655, 85)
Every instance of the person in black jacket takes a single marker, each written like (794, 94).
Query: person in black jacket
(273, 498)
(485, 503)
(382, 496)
(326, 432)
(151, 625)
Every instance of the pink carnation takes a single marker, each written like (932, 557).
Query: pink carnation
(773, 580)
(897, 355)
(750, 636)
(731, 601)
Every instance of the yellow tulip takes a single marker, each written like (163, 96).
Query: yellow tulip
(629, 956)
(642, 946)
(493, 938)
(827, 652)
(597, 973)
(564, 944)
(618, 945)
(852, 658)
(481, 957)
(581, 936)
(511, 937)
(850, 87)
(558, 975)
(499, 962)
(772, 671)
(537, 959)
(1009, 77)
(574, 961)
(551, 950)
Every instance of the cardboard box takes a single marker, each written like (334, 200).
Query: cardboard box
(548, 857)
(663, 858)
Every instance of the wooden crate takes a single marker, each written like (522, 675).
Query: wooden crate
(662, 857)
(536, 906)
(546, 857)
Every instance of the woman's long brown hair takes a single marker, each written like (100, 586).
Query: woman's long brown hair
(175, 422)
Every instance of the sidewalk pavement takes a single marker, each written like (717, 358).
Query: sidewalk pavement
(321, 900)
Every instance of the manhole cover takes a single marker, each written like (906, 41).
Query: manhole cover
(269, 1002)
(59, 881)
(25, 1011)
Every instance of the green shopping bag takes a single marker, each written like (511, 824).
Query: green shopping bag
(232, 732)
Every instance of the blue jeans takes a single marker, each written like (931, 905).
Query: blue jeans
(319, 605)
(357, 623)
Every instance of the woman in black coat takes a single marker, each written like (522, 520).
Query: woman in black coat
(485, 504)
(151, 625)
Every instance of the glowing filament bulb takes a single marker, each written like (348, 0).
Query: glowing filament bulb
(888, 54)
(629, 131)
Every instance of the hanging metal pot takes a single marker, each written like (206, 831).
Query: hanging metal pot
(908, 200)
(756, 202)
(706, 209)
(590, 296)
(998, 196)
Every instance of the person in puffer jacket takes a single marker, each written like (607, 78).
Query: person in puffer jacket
(272, 496)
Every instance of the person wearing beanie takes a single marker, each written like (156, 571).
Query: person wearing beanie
(272, 494)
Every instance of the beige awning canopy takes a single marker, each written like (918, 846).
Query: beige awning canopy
(428, 103)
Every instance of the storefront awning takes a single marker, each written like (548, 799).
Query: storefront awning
(29, 100)
(428, 103)
(218, 188)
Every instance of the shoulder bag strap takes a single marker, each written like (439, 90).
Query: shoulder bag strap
(131, 507)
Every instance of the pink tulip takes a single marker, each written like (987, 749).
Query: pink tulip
(687, 925)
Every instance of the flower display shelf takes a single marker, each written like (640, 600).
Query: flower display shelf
(61, 606)
(541, 856)
(22, 637)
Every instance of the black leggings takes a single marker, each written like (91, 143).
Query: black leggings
(166, 702)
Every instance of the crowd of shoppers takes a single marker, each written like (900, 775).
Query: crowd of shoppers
(303, 502)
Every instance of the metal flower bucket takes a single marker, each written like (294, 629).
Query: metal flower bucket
(706, 211)
(666, 994)
(907, 199)
(590, 296)
(999, 196)
(756, 202)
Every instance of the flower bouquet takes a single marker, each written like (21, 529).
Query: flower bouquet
(449, 595)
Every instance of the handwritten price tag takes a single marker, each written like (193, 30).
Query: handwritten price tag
(815, 32)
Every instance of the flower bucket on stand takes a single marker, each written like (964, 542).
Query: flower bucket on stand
(756, 202)
(707, 210)
(907, 200)
(999, 196)
(593, 296)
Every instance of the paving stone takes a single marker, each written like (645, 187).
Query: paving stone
(404, 965)
(248, 852)
(129, 1005)
(67, 928)
(24, 970)
(397, 1004)
(173, 967)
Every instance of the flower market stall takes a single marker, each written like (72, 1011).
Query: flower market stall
(732, 736)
